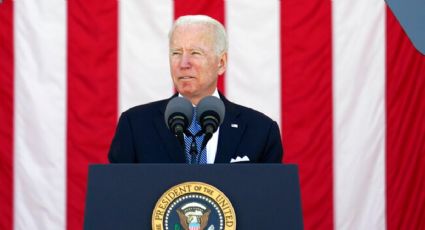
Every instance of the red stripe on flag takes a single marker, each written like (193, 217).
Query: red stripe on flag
(306, 56)
(6, 115)
(405, 145)
(92, 94)
(212, 8)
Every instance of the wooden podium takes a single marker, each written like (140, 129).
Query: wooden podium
(124, 196)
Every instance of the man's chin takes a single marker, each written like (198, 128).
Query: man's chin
(190, 95)
(186, 91)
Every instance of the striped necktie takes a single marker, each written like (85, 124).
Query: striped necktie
(194, 142)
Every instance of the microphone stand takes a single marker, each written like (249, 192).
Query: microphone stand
(193, 150)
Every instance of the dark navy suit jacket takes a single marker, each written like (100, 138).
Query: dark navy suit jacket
(143, 137)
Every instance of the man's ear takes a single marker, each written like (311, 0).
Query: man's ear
(222, 63)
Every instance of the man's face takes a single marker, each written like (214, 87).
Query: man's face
(193, 62)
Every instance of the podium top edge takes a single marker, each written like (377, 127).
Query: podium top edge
(225, 165)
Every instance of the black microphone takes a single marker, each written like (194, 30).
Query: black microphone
(210, 114)
(178, 116)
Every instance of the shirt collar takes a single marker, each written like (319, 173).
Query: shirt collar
(215, 94)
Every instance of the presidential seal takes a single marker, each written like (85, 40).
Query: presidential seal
(193, 206)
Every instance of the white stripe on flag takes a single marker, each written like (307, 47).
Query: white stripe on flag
(359, 113)
(40, 105)
(144, 74)
(253, 75)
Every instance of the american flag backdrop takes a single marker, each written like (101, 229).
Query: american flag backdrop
(341, 78)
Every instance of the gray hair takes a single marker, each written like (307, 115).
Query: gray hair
(219, 31)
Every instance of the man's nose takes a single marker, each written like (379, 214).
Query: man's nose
(185, 61)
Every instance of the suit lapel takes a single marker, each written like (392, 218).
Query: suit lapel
(230, 133)
(168, 140)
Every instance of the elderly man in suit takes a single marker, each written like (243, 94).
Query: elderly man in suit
(197, 55)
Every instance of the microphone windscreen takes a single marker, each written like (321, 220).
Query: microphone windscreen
(211, 103)
(178, 105)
